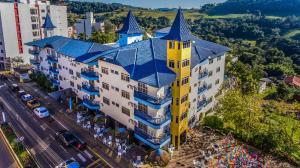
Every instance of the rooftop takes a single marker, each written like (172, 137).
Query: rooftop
(130, 25)
(292, 80)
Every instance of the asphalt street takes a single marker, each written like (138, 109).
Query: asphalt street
(6, 159)
(39, 134)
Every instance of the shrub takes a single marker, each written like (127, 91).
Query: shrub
(213, 122)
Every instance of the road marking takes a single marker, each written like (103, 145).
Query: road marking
(59, 122)
(95, 162)
(81, 157)
(44, 127)
(88, 154)
(100, 157)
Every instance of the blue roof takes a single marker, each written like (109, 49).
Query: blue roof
(180, 29)
(146, 61)
(165, 30)
(130, 25)
(48, 23)
(70, 47)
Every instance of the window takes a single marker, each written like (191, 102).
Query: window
(0, 43)
(209, 100)
(171, 64)
(72, 83)
(184, 98)
(43, 11)
(78, 87)
(125, 77)
(125, 111)
(211, 61)
(106, 101)
(125, 94)
(178, 64)
(105, 86)
(116, 72)
(179, 46)
(217, 81)
(78, 74)
(183, 116)
(60, 78)
(209, 86)
(142, 88)
(171, 44)
(177, 101)
(210, 73)
(185, 63)
(117, 105)
(218, 58)
(142, 107)
(177, 119)
(71, 71)
(59, 66)
(218, 69)
(104, 70)
(2, 51)
(186, 44)
(185, 81)
(178, 83)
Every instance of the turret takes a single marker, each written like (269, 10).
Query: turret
(48, 27)
(130, 32)
(178, 60)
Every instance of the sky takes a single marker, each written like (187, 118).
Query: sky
(161, 3)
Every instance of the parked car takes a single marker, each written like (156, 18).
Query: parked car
(41, 112)
(21, 93)
(14, 87)
(26, 97)
(67, 139)
(70, 163)
(34, 103)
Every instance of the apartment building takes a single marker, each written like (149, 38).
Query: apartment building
(158, 88)
(88, 25)
(22, 22)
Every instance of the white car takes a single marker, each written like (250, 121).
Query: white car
(26, 97)
(70, 163)
(41, 112)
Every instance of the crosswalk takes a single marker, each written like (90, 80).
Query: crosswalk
(83, 156)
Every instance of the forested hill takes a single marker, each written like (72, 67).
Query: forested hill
(96, 7)
(266, 7)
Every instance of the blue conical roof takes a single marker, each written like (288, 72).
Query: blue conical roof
(180, 29)
(130, 25)
(48, 23)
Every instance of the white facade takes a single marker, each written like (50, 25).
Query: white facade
(88, 25)
(21, 23)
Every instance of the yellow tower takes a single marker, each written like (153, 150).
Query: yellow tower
(178, 59)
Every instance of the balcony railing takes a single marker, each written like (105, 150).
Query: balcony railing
(203, 75)
(91, 90)
(33, 52)
(153, 140)
(52, 59)
(151, 100)
(201, 104)
(202, 89)
(89, 74)
(155, 122)
(92, 105)
(53, 70)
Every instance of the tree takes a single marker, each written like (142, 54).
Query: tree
(16, 61)
(213, 122)
(102, 38)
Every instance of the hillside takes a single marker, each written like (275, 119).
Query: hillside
(266, 7)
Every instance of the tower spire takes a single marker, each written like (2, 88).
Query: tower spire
(48, 26)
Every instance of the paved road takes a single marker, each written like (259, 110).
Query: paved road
(6, 158)
(39, 134)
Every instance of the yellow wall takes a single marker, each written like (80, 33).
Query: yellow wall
(179, 91)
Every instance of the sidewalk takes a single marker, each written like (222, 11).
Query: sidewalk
(69, 121)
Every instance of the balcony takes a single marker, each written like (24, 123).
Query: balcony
(91, 90)
(202, 89)
(154, 122)
(33, 52)
(34, 62)
(201, 104)
(55, 82)
(53, 70)
(203, 75)
(154, 102)
(52, 59)
(92, 105)
(89, 74)
(153, 142)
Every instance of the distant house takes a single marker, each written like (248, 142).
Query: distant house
(263, 82)
(292, 81)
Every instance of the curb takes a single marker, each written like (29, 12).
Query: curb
(11, 149)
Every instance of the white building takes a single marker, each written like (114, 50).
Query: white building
(88, 25)
(21, 22)
(132, 84)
